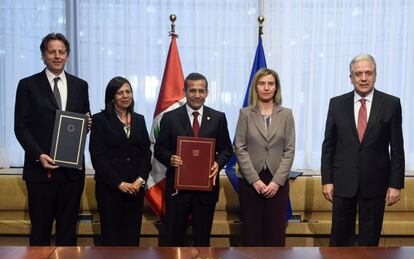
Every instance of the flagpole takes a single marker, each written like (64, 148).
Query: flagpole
(260, 19)
(170, 96)
(173, 18)
(258, 63)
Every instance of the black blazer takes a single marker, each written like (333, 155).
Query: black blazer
(368, 166)
(176, 123)
(115, 157)
(34, 119)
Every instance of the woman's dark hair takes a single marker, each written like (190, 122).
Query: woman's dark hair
(113, 86)
(54, 36)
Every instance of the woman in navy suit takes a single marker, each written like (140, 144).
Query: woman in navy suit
(121, 156)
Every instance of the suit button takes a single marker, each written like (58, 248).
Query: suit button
(266, 148)
(128, 159)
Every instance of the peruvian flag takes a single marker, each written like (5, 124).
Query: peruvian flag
(171, 96)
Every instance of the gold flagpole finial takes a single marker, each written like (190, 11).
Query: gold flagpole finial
(260, 19)
(173, 18)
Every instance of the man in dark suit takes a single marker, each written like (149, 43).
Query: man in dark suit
(362, 156)
(180, 122)
(53, 192)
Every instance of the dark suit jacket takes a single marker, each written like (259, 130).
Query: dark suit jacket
(34, 119)
(367, 167)
(115, 157)
(176, 123)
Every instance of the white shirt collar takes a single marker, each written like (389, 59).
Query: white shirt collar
(51, 76)
(369, 96)
(191, 110)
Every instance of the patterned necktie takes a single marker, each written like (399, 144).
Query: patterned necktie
(56, 92)
(196, 126)
(362, 119)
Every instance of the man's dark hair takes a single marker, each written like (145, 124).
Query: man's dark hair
(54, 36)
(194, 77)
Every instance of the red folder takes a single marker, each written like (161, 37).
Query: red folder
(197, 155)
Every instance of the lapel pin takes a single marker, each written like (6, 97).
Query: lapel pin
(208, 118)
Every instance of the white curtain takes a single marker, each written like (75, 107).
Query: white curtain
(22, 25)
(309, 42)
(216, 38)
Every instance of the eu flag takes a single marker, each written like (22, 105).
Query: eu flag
(258, 63)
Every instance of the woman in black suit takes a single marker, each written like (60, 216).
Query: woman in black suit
(120, 152)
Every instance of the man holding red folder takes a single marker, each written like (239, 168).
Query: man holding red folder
(193, 119)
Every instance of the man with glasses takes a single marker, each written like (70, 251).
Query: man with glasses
(362, 156)
(54, 193)
(191, 119)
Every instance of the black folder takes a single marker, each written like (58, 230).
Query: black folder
(69, 136)
(295, 174)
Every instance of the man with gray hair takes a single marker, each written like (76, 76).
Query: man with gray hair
(362, 156)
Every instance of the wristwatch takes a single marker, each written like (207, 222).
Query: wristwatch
(141, 180)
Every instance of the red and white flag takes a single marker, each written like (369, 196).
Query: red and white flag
(171, 96)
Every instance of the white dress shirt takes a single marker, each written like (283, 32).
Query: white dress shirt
(191, 116)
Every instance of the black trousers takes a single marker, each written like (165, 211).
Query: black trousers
(178, 216)
(120, 216)
(371, 214)
(56, 200)
(263, 219)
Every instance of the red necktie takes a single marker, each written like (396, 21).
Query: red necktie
(362, 119)
(196, 126)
